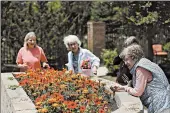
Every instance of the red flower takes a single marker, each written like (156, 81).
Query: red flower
(101, 111)
(86, 64)
(82, 109)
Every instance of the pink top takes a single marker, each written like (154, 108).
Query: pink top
(142, 77)
(31, 57)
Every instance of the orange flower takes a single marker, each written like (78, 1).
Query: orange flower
(38, 107)
(70, 72)
(66, 103)
(97, 102)
(61, 85)
(60, 98)
(51, 100)
(72, 105)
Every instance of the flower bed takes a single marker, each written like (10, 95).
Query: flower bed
(55, 91)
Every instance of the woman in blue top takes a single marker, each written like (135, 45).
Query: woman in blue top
(80, 60)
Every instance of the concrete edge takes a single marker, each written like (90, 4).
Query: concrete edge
(14, 101)
(126, 103)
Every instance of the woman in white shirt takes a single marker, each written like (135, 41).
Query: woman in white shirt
(80, 60)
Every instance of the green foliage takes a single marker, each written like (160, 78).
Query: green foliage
(35, 7)
(10, 78)
(167, 21)
(108, 11)
(13, 87)
(139, 19)
(166, 47)
(54, 5)
(107, 57)
(52, 20)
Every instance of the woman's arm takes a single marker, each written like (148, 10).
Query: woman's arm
(19, 60)
(69, 64)
(95, 60)
(142, 77)
(44, 59)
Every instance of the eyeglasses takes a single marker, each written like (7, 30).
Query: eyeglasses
(71, 44)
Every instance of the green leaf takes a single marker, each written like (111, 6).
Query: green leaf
(13, 87)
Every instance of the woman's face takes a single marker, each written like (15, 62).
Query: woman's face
(73, 47)
(31, 42)
(129, 61)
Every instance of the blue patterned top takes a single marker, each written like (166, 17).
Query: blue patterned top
(75, 63)
(156, 96)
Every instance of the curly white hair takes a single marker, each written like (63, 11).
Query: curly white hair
(70, 39)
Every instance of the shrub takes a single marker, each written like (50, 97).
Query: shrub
(166, 47)
(107, 57)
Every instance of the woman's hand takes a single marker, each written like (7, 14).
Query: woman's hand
(117, 87)
(94, 70)
(23, 66)
(45, 65)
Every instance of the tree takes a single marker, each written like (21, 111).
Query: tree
(153, 17)
(51, 21)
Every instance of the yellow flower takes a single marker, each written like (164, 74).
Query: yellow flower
(55, 105)
(63, 86)
(38, 103)
(34, 94)
(51, 100)
(100, 98)
(85, 91)
(44, 110)
(105, 102)
(67, 72)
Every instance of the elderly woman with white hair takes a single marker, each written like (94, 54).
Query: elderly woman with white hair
(149, 81)
(80, 60)
(31, 55)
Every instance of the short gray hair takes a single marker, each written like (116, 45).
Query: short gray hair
(71, 38)
(130, 40)
(134, 50)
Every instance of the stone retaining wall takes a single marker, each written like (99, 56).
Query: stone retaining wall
(17, 101)
(14, 101)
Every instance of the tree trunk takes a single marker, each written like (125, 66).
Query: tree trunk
(150, 50)
(150, 35)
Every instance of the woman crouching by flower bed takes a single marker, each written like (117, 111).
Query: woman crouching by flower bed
(54, 91)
